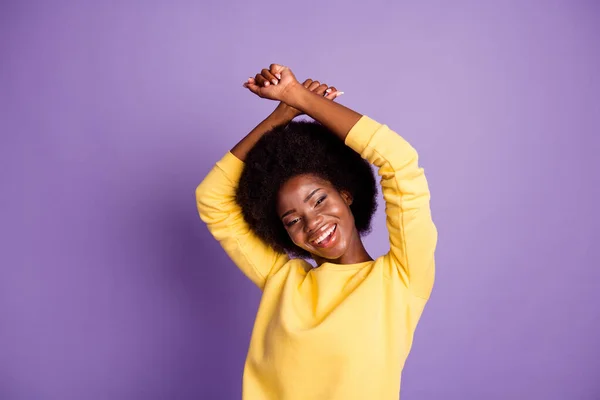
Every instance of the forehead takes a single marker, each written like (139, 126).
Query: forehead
(300, 186)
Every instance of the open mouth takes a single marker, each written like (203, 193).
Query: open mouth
(326, 238)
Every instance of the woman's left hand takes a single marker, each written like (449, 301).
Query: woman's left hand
(321, 89)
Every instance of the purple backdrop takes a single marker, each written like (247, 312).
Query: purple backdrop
(112, 288)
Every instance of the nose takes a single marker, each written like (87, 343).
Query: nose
(313, 221)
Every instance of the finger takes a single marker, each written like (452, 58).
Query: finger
(330, 92)
(269, 76)
(252, 87)
(321, 89)
(249, 80)
(260, 80)
(333, 93)
(276, 70)
(314, 85)
(307, 83)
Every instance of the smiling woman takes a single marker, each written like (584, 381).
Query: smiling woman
(342, 330)
(278, 191)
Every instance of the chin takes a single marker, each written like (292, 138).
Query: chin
(331, 254)
(334, 255)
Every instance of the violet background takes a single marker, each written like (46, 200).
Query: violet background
(112, 113)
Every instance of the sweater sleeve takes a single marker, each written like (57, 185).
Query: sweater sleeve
(217, 207)
(412, 233)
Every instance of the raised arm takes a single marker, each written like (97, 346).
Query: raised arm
(284, 112)
(336, 117)
(412, 234)
(215, 199)
(219, 210)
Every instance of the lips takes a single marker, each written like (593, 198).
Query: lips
(324, 235)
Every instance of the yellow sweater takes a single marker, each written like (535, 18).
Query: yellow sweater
(336, 331)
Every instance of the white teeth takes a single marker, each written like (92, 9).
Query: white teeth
(324, 235)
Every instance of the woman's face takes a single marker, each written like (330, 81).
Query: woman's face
(317, 216)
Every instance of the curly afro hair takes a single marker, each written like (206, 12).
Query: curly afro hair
(301, 147)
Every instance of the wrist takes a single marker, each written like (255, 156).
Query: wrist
(281, 115)
(291, 96)
(286, 111)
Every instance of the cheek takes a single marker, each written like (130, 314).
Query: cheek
(347, 219)
(297, 237)
(342, 210)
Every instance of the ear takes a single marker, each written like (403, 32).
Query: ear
(347, 197)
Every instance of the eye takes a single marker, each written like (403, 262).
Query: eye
(292, 222)
(320, 200)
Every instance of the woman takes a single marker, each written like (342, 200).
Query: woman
(342, 329)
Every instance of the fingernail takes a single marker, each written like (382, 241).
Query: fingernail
(328, 90)
(339, 93)
(278, 76)
(267, 83)
(274, 82)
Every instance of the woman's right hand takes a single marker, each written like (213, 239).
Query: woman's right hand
(273, 82)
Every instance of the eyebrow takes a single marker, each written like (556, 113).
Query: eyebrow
(305, 200)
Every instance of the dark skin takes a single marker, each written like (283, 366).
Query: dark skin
(311, 207)
(282, 114)
(315, 214)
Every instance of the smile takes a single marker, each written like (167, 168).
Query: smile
(325, 239)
